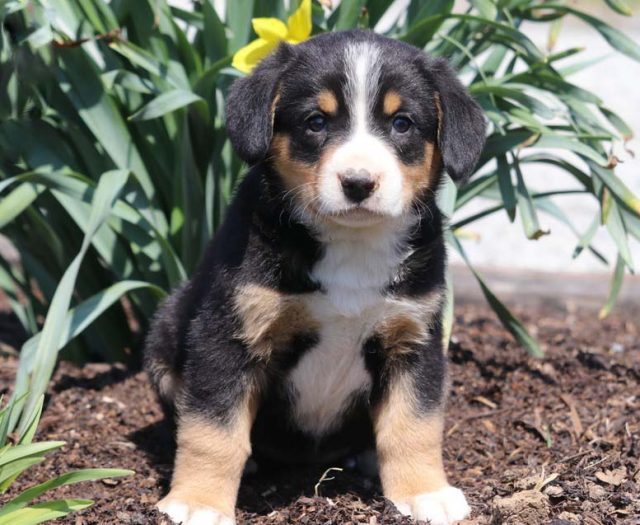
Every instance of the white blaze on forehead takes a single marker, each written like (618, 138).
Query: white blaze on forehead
(363, 76)
(363, 149)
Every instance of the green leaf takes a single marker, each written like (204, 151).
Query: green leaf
(215, 40)
(68, 478)
(421, 33)
(617, 122)
(508, 319)
(30, 450)
(348, 14)
(498, 144)
(506, 187)
(527, 209)
(616, 38)
(150, 63)
(32, 424)
(165, 103)
(620, 6)
(567, 143)
(10, 471)
(614, 290)
(109, 187)
(239, 13)
(618, 233)
(44, 511)
(80, 81)
(585, 240)
(617, 187)
(17, 201)
(486, 8)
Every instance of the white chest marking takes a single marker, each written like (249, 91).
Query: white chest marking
(356, 267)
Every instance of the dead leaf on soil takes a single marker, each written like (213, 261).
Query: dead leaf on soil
(615, 477)
(573, 414)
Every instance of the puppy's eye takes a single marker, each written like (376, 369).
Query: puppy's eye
(401, 124)
(316, 123)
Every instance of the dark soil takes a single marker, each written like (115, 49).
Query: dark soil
(567, 427)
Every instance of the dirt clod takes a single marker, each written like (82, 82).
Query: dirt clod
(528, 507)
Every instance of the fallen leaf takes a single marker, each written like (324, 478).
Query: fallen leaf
(613, 477)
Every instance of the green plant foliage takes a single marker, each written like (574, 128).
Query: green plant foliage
(18, 455)
(115, 167)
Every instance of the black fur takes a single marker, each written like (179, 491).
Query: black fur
(461, 133)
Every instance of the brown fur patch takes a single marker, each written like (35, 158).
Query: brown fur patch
(300, 179)
(210, 459)
(423, 176)
(296, 175)
(409, 444)
(407, 324)
(400, 335)
(391, 103)
(270, 319)
(328, 102)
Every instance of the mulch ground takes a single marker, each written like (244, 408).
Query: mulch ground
(529, 441)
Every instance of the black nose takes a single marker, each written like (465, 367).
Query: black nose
(357, 186)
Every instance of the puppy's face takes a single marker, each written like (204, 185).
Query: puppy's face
(355, 125)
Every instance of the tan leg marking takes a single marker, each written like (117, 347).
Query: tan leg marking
(391, 103)
(270, 319)
(409, 445)
(210, 458)
(328, 102)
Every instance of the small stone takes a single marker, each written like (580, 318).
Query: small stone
(528, 507)
(617, 348)
(554, 491)
(569, 516)
(596, 492)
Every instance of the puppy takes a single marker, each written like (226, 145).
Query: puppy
(312, 328)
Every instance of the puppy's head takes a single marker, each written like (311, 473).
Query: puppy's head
(357, 126)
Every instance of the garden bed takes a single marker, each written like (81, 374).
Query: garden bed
(557, 439)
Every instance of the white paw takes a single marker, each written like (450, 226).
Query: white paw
(186, 514)
(441, 507)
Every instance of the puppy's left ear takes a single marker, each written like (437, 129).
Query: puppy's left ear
(461, 125)
(251, 105)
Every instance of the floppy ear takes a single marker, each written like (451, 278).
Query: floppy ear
(251, 104)
(461, 125)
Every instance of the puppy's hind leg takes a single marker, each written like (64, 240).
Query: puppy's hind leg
(163, 349)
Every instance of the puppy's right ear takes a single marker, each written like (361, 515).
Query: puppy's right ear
(251, 105)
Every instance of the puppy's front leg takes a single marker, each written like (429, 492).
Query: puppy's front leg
(209, 461)
(409, 446)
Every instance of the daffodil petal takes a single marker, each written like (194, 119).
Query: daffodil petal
(299, 23)
(248, 57)
(270, 28)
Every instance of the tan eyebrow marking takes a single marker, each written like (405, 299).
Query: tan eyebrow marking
(328, 102)
(392, 102)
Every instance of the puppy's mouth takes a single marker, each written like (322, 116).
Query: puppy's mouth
(356, 217)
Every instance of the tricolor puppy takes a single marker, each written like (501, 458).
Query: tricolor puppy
(312, 328)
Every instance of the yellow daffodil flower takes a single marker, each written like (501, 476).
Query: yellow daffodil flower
(271, 32)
